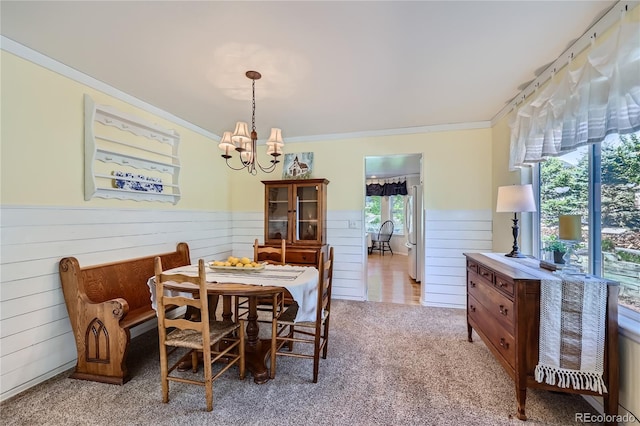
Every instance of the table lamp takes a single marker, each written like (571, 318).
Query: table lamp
(515, 199)
(570, 231)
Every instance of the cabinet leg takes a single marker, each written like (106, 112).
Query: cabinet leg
(521, 394)
(469, 332)
(611, 406)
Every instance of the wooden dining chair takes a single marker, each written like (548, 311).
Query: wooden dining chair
(382, 240)
(273, 256)
(198, 334)
(287, 332)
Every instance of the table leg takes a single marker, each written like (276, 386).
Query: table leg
(256, 349)
(227, 315)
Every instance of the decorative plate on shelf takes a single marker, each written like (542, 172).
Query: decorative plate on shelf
(137, 182)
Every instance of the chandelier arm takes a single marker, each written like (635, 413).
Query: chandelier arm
(244, 166)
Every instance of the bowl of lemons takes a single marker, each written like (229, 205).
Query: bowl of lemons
(236, 264)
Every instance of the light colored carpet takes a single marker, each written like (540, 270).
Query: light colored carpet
(388, 364)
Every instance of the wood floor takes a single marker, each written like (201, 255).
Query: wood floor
(389, 280)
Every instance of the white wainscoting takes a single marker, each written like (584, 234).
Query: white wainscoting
(36, 341)
(349, 280)
(449, 234)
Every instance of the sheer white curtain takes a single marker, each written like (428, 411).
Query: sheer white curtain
(587, 104)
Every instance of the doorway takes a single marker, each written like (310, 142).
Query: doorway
(388, 275)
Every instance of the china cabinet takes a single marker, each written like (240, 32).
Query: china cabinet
(296, 210)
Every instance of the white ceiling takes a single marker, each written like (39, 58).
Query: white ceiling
(327, 67)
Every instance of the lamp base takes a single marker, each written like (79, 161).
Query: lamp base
(515, 254)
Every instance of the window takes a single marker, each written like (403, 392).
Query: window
(372, 213)
(378, 209)
(601, 182)
(397, 203)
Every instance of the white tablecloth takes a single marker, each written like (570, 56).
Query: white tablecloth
(300, 281)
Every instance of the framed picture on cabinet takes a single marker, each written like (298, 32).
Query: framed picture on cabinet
(298, 165)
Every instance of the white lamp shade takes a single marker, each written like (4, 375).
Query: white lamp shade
(275, 138)
(225, 143)
(516, 198)
(241, 134)
(570, 227)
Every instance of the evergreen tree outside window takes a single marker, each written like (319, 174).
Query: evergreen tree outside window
(610, 210)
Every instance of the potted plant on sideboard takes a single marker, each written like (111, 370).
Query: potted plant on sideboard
(556, 247)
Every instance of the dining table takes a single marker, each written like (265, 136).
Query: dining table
(255, 283)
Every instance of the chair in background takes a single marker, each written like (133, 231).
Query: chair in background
(272, 256)
(381, 241)
(199, 334)
(315, 332)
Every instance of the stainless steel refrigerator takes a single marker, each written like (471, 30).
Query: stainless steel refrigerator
(414, 222)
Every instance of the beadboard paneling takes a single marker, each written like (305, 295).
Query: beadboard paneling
(449, 234)
(33, 315)
(36, 341)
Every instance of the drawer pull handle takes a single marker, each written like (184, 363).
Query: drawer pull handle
(503, 343)
(502, 284)
(503, 310)
(472, 284)
(472, 308)
(484, 274)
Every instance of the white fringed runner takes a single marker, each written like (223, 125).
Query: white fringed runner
(572, 327)
(572, 333)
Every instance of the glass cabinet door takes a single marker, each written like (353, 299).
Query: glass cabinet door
(278, 213)
(307, 212)
(295, 210)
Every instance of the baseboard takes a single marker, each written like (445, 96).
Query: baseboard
(625, 417)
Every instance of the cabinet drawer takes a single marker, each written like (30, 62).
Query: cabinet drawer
(498, 336)
(495, 302)
(472, 265)
(504, 284)
(486, 274)
(302, 256)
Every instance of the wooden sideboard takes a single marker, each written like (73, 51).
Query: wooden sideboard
(503, 307)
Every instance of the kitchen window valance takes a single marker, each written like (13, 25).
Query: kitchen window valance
(387, 189)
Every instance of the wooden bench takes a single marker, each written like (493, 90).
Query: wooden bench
(104, 302)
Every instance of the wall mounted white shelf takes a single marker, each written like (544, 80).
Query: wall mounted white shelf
(127, 157)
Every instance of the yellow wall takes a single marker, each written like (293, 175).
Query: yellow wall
(43, 145)
(456, 169)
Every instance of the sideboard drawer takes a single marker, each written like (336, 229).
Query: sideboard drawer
(501, 339)
(302, 256)
(486, 274)
(472, 266)
(504, 284)
(500, 306)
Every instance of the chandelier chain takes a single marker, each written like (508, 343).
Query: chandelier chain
(253, 106)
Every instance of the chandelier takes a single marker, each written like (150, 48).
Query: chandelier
(245, 143)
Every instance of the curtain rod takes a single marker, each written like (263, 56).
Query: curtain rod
(610, 18)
